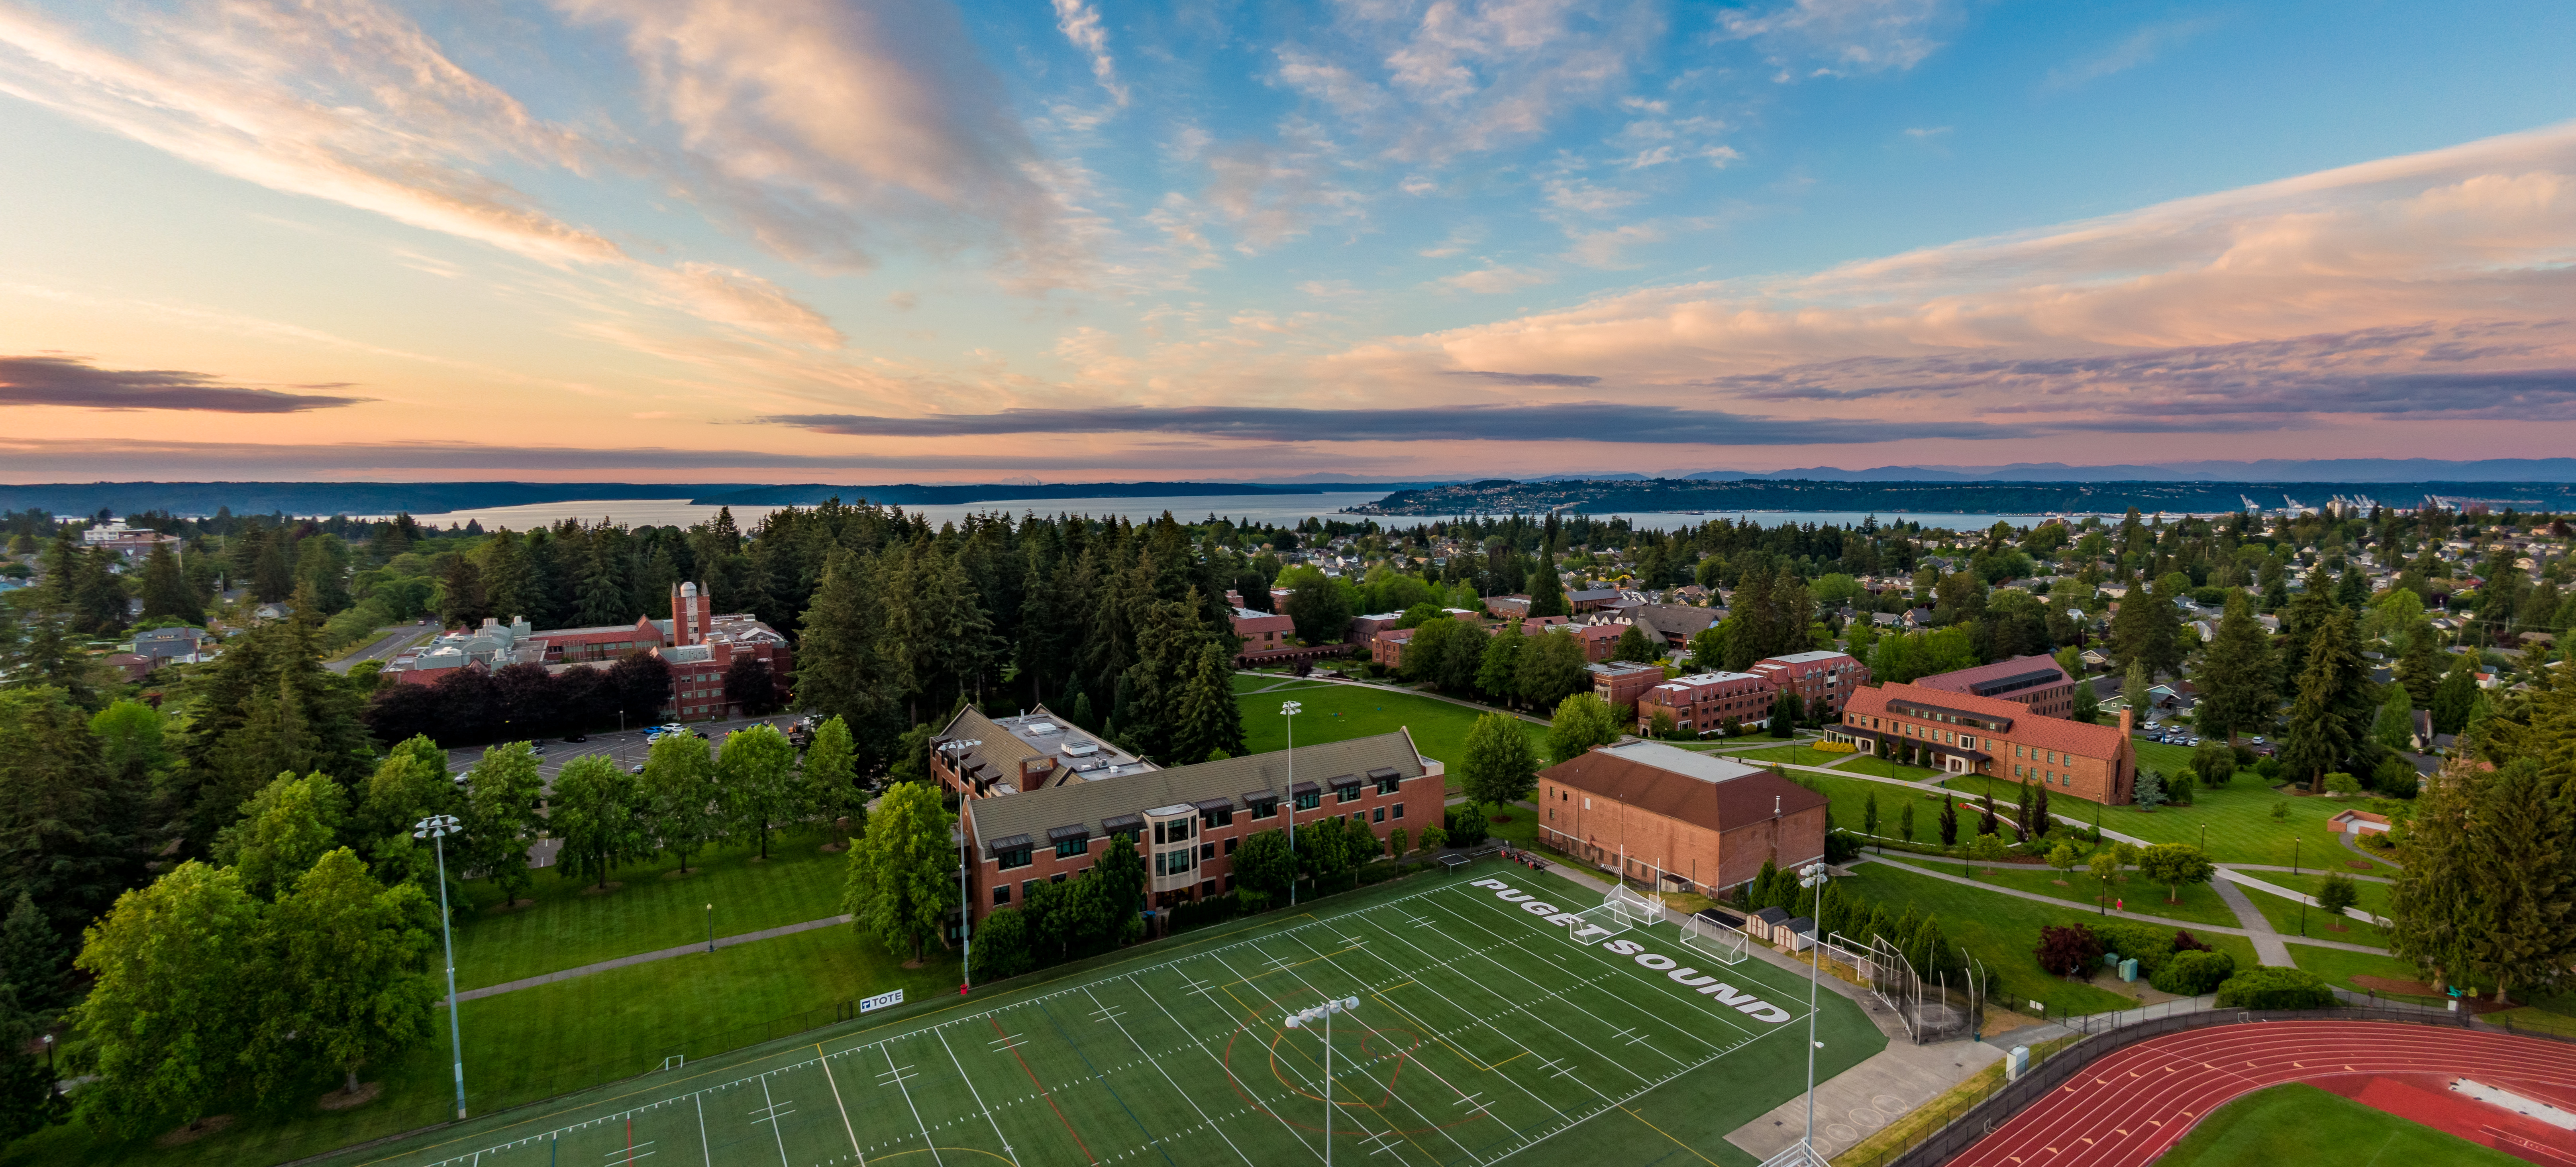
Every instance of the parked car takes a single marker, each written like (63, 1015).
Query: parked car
(577, 737)
(637, 768)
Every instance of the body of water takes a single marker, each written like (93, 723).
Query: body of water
(1282, 509)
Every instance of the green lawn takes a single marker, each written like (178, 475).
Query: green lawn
(2299, 1123)
(2238, 815)
(2200, 903)
(1247, 683)
(2339, 967)
(2001, 930)
(569, 926)
(1333, 713)
(2374, 896)
(543, 1041)
(1872, 764)
(1153, 1052)
(2164, 758)
(2285, 915)
(1795, 755)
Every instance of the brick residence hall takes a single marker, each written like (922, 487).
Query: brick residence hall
(1962, 733)
(1687, 821)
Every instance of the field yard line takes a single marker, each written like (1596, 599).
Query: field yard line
(1159, 1068)
(1231, 1076)
(704, 1153)
(978, 1096)
(1480, 1019)
(887, 1049)
(843, 1107)
(777, 1129)
(1720, 1017)
(1016, 1055)
(1103, 1079)
(1389, 1086)
(1605, 1022)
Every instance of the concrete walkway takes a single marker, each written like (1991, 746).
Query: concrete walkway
(2267, 943)
(2166, 921)
(2354, 847)
(2229, 873)
(646, 958)
(2310, 870)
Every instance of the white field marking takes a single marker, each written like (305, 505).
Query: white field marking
(1106, 1013)
(709, 1156)
(1221, 1065)
(631, 1154)
(1389, 1086)
(1650, 1014)
(1167, 1079)
(1007, 1043)
(843, 1107)
(1474, 1019)
(867, 1047)
(898, 1075)
(775, 1111)
(1533, 1014)
(978, 1096)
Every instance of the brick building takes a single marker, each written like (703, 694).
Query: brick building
(1702, 702)
(1689, 821)
(698, 643)
(1962, 733)
(1387, 647)
(1822, 680)
(1261, 630)
(1599, 640)
(1187, 821)
(1623, 683)
(2033, 681)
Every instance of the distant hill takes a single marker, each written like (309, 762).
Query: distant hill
(1955, 497)
(423, 498)
(2318, 471)
(808, 495)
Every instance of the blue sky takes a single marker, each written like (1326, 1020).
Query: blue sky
(1091, 239)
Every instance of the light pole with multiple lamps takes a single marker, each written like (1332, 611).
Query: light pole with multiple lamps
(1813, 875)
(965, 866)
(1289, 710)
(1306, 1019)
(436, 828)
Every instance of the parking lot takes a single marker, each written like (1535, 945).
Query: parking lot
(627, 747)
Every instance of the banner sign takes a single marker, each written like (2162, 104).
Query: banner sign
(881, 1001)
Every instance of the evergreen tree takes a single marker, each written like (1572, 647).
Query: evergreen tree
(1210, 720)
(70, 825)
(2419, 666)
(1547, 594)
(263, 708)
(272, 578)
(32, 961)
(2088, 708)
(2331, 708)
(2137, 691)
(2457, 692)
(829, 779)
(1949, 822)
(2393, 729)
(600, 592)
(2237, 695)
(166, 592)
(839, 673)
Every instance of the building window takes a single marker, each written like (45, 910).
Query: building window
(1229, 845)
(1015, 857)
(1350, 793)
(1029, 887)
(1058, 877)
(1387, 785)
(1218, 818)
(1068, 848)
(1001, 893)
(1310, 800)
(1399, 810)
(1263, 808)
(1381, 814)
(1207, 851)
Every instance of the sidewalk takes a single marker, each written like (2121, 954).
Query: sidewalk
(645, 958)
(2168, 922)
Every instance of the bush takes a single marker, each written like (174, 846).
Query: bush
(2342, 783)
(2068, 950)
(2190, 974)
(2395, 778)
(1841, 846)
(2151, 945)
(1466, 827)
(2275, 988)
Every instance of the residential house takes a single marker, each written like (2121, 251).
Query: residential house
(1685, 821)
(1591, 598)
(166, 646)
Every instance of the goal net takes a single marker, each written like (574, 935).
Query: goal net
(1712, 939)
(1637, 908)
(1597, 923)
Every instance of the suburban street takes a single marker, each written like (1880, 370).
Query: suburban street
(388, 643)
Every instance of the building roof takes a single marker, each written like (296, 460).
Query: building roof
(2047, 733)
(2004, 676)
(1651, 781)
(1092, 803)
(1592, 594)
(1003, 743)
(1803, 658)
(1680, 620)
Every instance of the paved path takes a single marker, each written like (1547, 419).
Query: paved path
(2267, 943)
(388, 643)
(646, 958)
(2310, 870)
(2228, 873)
(2350, 845)
(2053, 901)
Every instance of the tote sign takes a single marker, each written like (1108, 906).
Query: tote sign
(881, 1001)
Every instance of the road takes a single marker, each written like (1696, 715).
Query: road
(389, 641)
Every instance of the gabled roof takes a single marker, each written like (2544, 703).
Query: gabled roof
(1036, 812)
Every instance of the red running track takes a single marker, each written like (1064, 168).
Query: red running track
(2134, 1104)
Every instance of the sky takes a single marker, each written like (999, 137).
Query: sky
(1099, 240)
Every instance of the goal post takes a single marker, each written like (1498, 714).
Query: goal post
(1595, 924)
(1711, 939)
(1638, 908)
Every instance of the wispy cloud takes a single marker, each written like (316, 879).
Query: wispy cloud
(75, 382)
(1580, 421)
(1493, 279)
(1833, 38)
(1080, 23)
(2138, 48)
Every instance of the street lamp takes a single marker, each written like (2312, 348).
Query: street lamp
(1305, 1019)
(1290, 710)
(436, 828)
(1815, 876)
(711, 928)
(965, 866)
(2294, 855)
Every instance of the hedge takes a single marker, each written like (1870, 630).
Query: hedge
(2275, 988)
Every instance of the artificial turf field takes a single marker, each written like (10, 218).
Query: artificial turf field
(1484, 1033)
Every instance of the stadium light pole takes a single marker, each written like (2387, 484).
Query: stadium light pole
(1814, 876)
(1305, 1019)
(965, 866)
(1289, 711)
(436, 828)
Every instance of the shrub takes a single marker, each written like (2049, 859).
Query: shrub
(1466, 827)
(2337, 893)
(2068, 950)
(1841, 846)
(2395, 778)
(2280, 810)
(2342, 783)
(2275, 988)
(2190, 974)
(2186, 942)
(2148, 944)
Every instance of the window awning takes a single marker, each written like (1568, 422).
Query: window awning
(1385, 772)
(1060, 834)
(1346, 780)
(1305, 788)
(1009, 843)
(1257, 797)
(1124, 822)
(1214, 804)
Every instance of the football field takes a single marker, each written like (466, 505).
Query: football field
(1485, 1031)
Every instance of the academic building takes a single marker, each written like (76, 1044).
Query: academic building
(1041, 799)
(1962, 733)
(2034, 681)
(1686, 821)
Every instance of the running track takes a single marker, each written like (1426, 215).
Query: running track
(2136, 1103)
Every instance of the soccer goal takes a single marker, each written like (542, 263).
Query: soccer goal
(1597, 923)
(1638, 908)
(1712, 939)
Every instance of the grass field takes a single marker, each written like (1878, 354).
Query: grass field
(570, 926)
(2299, 1123)
(1866, 764)
(2238, 815)
(1482, 1034)
(1794, 755)
(2339, 967)
(2374, 896)
(2200, 904)
(2001, 930)
(2284, 915)
(1336, 712)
